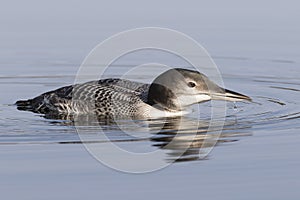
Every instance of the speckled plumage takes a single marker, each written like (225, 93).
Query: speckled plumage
(103, 97)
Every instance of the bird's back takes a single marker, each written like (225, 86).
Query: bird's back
(103, 97)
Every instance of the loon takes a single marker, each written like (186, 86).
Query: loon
(170, 94)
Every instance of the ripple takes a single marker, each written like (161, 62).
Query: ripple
(285, 88)
(275, 106)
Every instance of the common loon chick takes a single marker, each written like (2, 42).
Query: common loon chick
(168, 95)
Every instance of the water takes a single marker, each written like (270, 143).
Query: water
(256, 157)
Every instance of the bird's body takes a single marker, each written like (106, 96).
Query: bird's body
(168, 95)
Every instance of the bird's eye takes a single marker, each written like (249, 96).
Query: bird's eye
(191, 84)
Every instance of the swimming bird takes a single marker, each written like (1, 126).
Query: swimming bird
(170, 94)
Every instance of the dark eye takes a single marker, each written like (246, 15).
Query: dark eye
(191, 84)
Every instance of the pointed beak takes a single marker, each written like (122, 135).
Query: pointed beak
(229, 95)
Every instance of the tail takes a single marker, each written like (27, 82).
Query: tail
(24, 105)
(47, 102)
(34, 105)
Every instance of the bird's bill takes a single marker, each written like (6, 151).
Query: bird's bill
(229, 95)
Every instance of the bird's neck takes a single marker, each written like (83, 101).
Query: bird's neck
(162, 98)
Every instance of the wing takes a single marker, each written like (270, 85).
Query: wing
(110, 96)
(107, 96)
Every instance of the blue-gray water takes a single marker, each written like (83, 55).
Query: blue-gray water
(256, 47)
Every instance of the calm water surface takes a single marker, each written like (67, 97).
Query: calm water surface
(256, 156)
(259, 138)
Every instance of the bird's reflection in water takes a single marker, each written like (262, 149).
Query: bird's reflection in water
(182, 138)
(189, 139)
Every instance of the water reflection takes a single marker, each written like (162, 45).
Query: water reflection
(181, 138)
(190, 143)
